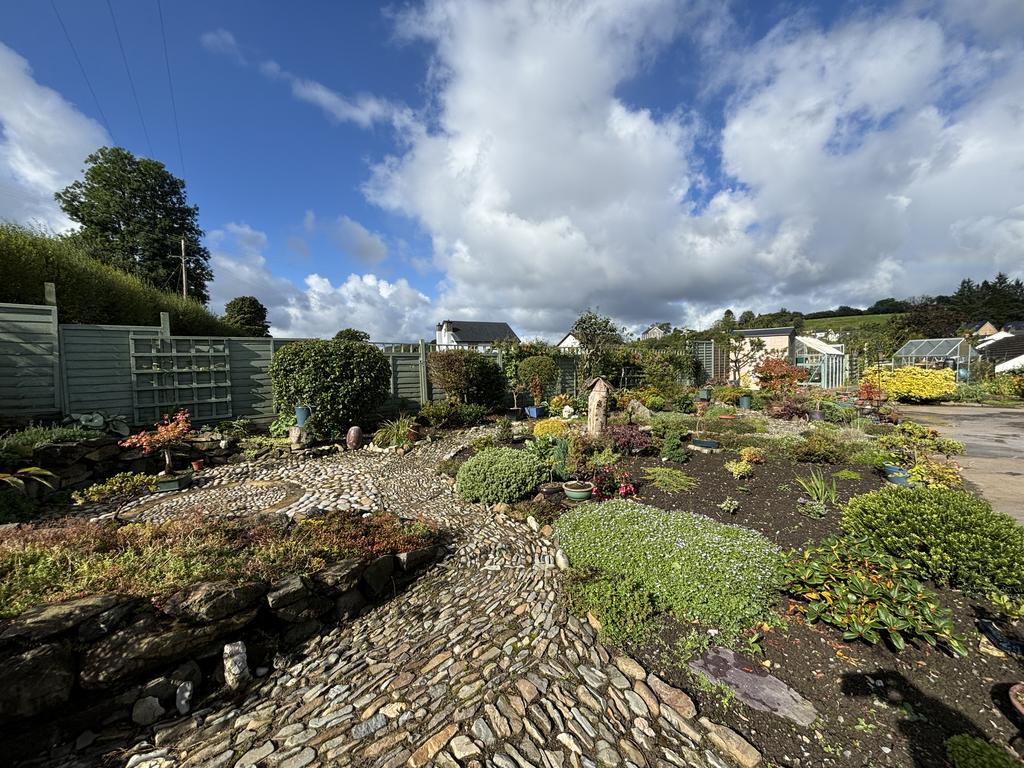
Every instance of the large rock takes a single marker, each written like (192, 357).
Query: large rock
(377, 576)
(638, 413)
(416, 558)
(236, 666)
(738, 749)
(35, 681)
(293, 601)
(148, 644)
(754, 686)
(338, 578)
(43, 621)
(103, 453)
(212, 601)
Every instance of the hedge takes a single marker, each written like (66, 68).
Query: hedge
(89, 291)
(340, 381)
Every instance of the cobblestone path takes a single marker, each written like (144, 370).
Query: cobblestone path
(477, 663)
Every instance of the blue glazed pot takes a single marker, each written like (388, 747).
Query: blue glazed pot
(536, 411)
(302, 414)
(710, 444)
(896, 475)
(746, 401)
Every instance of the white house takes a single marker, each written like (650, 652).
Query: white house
(657, 331)
(568, 342)
(471, 333)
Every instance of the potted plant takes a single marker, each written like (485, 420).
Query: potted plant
(578, 490)
(198, 464)
(535, 373)
(816, 414)
(169, 434)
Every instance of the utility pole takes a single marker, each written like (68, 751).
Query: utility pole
(184, 271)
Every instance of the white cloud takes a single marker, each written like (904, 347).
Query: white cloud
(357, 241)
(860, 161)
(363, 109)
(43, 144)
(309, 221)
(387, 310)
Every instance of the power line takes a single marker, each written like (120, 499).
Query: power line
(131, 82)
(81, 68)
(170, 86)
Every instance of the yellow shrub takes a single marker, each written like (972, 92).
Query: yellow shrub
(912, 384)
(550, 428)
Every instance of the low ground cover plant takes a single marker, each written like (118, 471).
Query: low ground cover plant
(20, 444)
(697, 569)
(819, 447)
(818, 489)
(868, 594)
(950, 536)
(753, 455)
(499, 475)
(739, 469)
(75, 557)
(669, 480)
(394, 432)
(966, 751)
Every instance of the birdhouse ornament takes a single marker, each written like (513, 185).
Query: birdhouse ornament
(597, 404)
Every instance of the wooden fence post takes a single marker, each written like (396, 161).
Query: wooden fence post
(165, 324)
(424, 384)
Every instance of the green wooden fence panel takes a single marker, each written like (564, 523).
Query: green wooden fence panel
(29, 361)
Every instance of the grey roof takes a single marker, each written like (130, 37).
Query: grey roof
(787, 330)
(1004, 349)
(1014, 325)
(475, 332)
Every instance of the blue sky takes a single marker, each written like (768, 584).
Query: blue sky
(388, 167)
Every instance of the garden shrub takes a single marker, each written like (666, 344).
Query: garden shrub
(788, 408)
(341, 381)
(1006, 385)
(911, 384)
(912, 442)
(966, 751)
(721, 576)
(629, 438)
(739, 469)
(870, 455)
(449, 414)
(499, 475)
(819, 447)
(868, 594)
(152, 560)
(778, 376)
(553, 427)
(951, 537)
(673, 448)
(753, 455)
(649, 397)
(729, 395)
(503, 431)
(467, 376)
(967, 393)
(935, 474)
(394, 432)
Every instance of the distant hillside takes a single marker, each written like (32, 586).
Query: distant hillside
(847, 323)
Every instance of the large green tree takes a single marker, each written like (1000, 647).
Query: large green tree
(597, 335)
(133, 213)
(247, 313)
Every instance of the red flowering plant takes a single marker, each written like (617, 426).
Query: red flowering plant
(610, 482)
(169, 432)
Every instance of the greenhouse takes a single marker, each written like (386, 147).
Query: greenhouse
(956, 353)
(825, 363)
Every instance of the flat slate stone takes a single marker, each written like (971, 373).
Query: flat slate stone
(754, 686)
(49, 619)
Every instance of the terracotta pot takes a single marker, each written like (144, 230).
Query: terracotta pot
(198, 464)
(727, 416)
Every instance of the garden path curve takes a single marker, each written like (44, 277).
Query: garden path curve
(477, 663)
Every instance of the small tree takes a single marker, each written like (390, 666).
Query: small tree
(247, 313)
(596, 334)
(169, 433)
(467, 376)
(351, 334)
(778, 377)
(537, 373)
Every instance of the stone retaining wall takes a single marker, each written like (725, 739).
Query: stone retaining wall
(69, 670)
